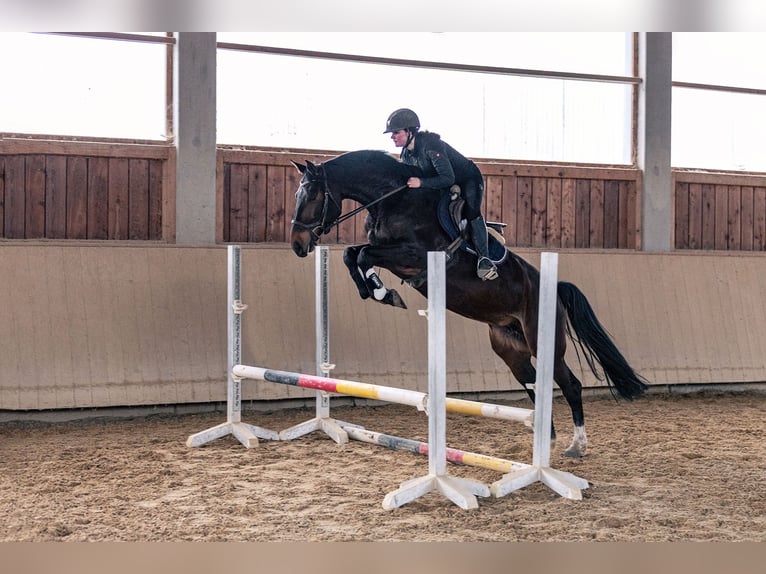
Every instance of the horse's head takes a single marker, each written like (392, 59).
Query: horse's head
(316, 210)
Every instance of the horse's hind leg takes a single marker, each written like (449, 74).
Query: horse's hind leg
(511, 346)
(571, 388)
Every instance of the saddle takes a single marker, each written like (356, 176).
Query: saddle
(450, 215)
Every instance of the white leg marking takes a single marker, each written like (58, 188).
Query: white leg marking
(579, 443)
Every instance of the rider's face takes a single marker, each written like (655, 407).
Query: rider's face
(399, 138)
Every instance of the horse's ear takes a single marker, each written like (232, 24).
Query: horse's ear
(301, 168)
(312, 168)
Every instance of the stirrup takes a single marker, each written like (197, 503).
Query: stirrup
(485, 269)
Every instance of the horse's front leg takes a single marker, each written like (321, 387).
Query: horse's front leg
(367, 258)
(350, 259)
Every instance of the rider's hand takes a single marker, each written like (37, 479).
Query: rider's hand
(413, 182)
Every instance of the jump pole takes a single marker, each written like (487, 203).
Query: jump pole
(322, 420)
(383, 393)
(564, 483)
(245, 433)
(454, 455)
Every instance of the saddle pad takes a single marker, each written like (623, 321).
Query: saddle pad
(497, 250)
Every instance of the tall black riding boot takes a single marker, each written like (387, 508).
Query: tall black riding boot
(485, 268)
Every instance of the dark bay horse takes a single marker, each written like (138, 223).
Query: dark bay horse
(402, 226)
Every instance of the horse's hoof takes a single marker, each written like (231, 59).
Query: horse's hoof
(573, 452)
(394, 299)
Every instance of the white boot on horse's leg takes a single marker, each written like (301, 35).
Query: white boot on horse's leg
(485, 268)
(579, 443)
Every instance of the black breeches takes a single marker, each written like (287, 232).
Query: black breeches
(473, 193)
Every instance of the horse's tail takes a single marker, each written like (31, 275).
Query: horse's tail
(597, 347)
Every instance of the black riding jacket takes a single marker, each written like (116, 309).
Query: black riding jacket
(442, 164)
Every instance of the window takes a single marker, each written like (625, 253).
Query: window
(76, 86)
(719, 123)
(293, 101)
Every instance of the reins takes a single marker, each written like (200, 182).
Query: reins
(352, 213)
(325, 227)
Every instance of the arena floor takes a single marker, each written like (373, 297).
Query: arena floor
(668, 467)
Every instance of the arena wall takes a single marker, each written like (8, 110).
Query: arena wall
(91, 325)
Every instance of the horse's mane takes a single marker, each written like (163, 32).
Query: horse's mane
(375, 163)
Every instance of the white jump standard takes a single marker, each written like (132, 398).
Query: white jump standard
(564, 483)
(245, 433)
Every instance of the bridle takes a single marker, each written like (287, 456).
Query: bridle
(321, 225)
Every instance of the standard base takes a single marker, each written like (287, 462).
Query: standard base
(461, 491)
(563, 483)
(245, 433)
(330, 427)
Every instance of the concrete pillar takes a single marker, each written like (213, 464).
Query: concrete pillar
(654, 135)
(194, 99)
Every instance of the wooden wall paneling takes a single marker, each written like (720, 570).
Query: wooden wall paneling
(568, 210)
(34, 182)
(695, 204)
(611, 213)
(275, 176)
(622, 215)
(708, 216)
(759, 218)
(225, 202)
(513, 195)
(15, 202)
(597, 213)
(138, 200)
(156, 200)
(55, 196)
(734, 221)
(633, 212)
(721, 217)
(539, 215)
(493, 198)
(681, 215)
(553, 215)
(169, 201)
(118, 199)
(259, 203)
(746, 215)
(524, 212)
(238, 202)
(510, 209)
(98, 198)
(2, 196)
(77, 198)
(582, 213)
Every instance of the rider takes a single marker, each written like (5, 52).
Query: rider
(444, 166)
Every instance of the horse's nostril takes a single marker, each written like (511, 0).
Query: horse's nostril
(299, 249)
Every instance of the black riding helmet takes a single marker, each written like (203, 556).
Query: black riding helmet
(402, 119)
